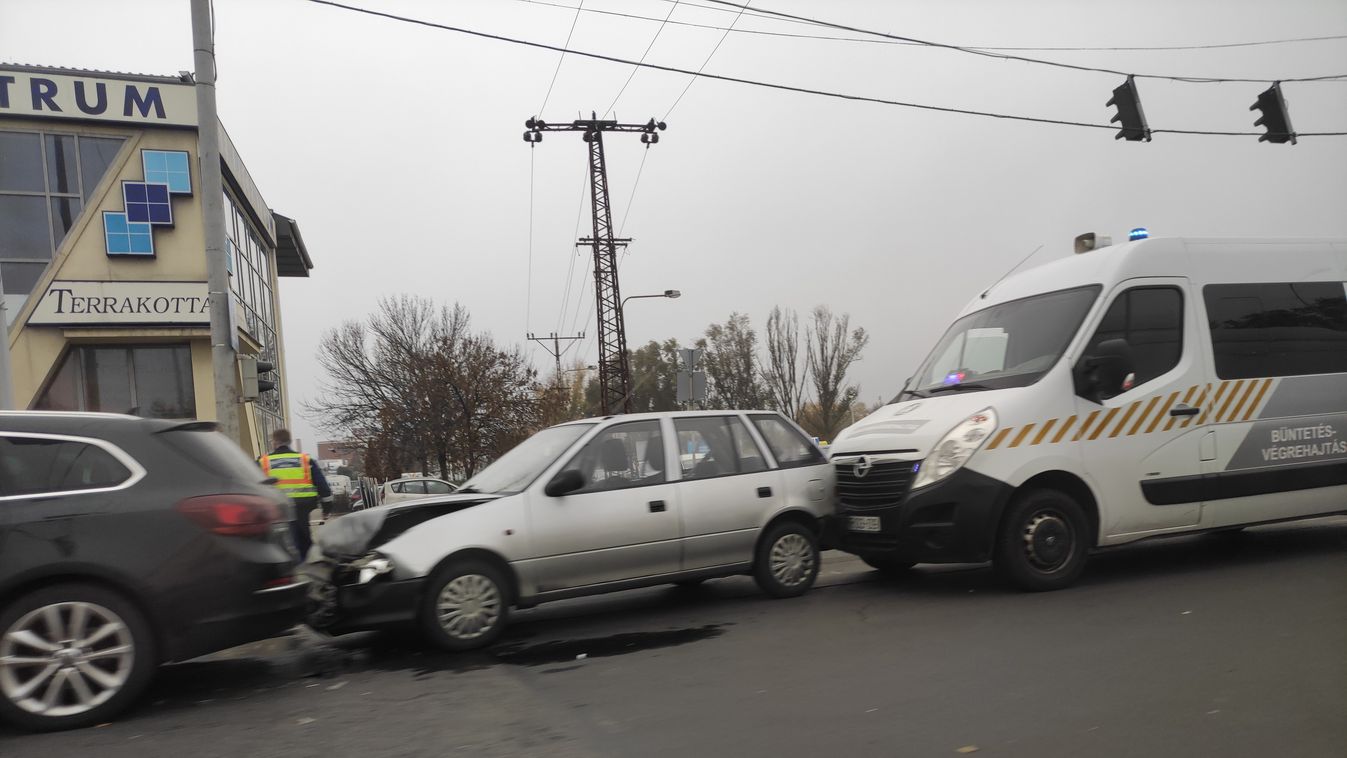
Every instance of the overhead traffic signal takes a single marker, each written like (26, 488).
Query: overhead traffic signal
(253, 383)
(1133, 119)
(1275, 117)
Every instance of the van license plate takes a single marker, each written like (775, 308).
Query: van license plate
(864, 523)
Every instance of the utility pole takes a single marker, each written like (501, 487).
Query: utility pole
(555, 350)
(212, 212)
(614, 368)
(6, 374)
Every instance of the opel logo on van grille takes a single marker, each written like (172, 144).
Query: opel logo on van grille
(862, 467)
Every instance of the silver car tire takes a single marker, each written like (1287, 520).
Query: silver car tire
(466, 606)
(787, 560)
(72, 655)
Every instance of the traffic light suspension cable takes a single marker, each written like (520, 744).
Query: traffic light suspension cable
(1026, 59)
(800, 90)
(872, 41)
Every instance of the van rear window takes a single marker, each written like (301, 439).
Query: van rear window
(1288, 329)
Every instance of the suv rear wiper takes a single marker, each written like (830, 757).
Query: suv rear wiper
(958, 387)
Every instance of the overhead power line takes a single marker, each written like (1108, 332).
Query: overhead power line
(560, 60)
(788, 87)
(866, 40)
(1026, 59)
(632, 75)
(702, 67)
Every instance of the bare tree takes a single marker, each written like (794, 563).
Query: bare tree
(730, 362)
(832, 347)
(417, 386)
(783, 376)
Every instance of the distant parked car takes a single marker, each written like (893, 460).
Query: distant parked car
(579, 509)
(126, 543)
(412, 488)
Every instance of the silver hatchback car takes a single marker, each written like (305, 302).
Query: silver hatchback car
(583, 508)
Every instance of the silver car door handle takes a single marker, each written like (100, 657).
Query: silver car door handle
(764, 492)
(657, 506)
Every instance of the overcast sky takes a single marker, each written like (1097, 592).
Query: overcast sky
(398, 149)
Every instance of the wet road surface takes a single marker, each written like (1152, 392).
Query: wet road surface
(1231, 645)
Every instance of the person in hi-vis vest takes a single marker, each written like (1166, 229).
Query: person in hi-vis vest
(300, 478)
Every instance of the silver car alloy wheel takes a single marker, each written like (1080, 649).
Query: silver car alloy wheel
(469, 606)
(65, 659)
(792, 559)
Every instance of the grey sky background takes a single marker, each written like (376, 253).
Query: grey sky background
(398, 149)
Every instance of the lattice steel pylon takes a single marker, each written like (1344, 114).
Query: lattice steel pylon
(614, 367)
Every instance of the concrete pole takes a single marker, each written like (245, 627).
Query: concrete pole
(223, 360)
(6, 375)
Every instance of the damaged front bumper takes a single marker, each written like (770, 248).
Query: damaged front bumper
(354, 596)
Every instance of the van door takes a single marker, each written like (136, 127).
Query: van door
(725, 489)
(623, 524)
(1141, 442)
(1279, 351)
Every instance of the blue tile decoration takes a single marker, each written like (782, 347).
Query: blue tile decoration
(168, 167)
(148, 203)
(124, 237)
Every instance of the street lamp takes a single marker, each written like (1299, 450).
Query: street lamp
(671, 294)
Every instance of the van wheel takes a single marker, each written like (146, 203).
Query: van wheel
(1043, 541)
(466, 606)
(72, 655)
(888, 566)
(787, 561)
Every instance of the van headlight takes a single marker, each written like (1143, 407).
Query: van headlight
(954, 449)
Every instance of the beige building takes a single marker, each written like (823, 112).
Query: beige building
(102, 251)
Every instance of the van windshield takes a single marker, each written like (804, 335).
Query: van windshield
(1007, 345)
(515, 470)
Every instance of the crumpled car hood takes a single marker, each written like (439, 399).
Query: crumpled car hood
(355, 534)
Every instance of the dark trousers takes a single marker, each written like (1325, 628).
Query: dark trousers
(299, 528)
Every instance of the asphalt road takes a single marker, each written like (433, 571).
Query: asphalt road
(1223, 645)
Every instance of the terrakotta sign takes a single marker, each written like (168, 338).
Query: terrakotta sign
(68, 303)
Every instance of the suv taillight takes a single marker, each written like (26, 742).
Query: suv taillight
(232, 515)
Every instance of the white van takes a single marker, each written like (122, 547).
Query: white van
(1156, 387)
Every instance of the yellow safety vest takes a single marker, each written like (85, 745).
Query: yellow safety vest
(292, 473)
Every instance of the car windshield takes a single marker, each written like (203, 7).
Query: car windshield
(1007, 345)
(518, 468)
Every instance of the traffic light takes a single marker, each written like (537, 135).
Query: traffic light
(253, 384)
(1275, 118)
(1133, 119)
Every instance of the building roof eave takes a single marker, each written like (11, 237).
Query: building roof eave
(292, 256)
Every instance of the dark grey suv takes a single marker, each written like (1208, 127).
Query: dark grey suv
(125, 543)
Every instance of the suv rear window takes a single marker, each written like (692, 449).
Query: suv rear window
(36, 465)
(213, 451)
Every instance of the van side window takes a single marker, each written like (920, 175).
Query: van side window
(622, 456)
(1151, 320)
(33, 466)
(789, 447)
(1290, 329)
(710, 446)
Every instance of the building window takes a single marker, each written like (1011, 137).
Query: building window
(154, 381)
(1291, 329)
(45, 179)
(250, 280)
